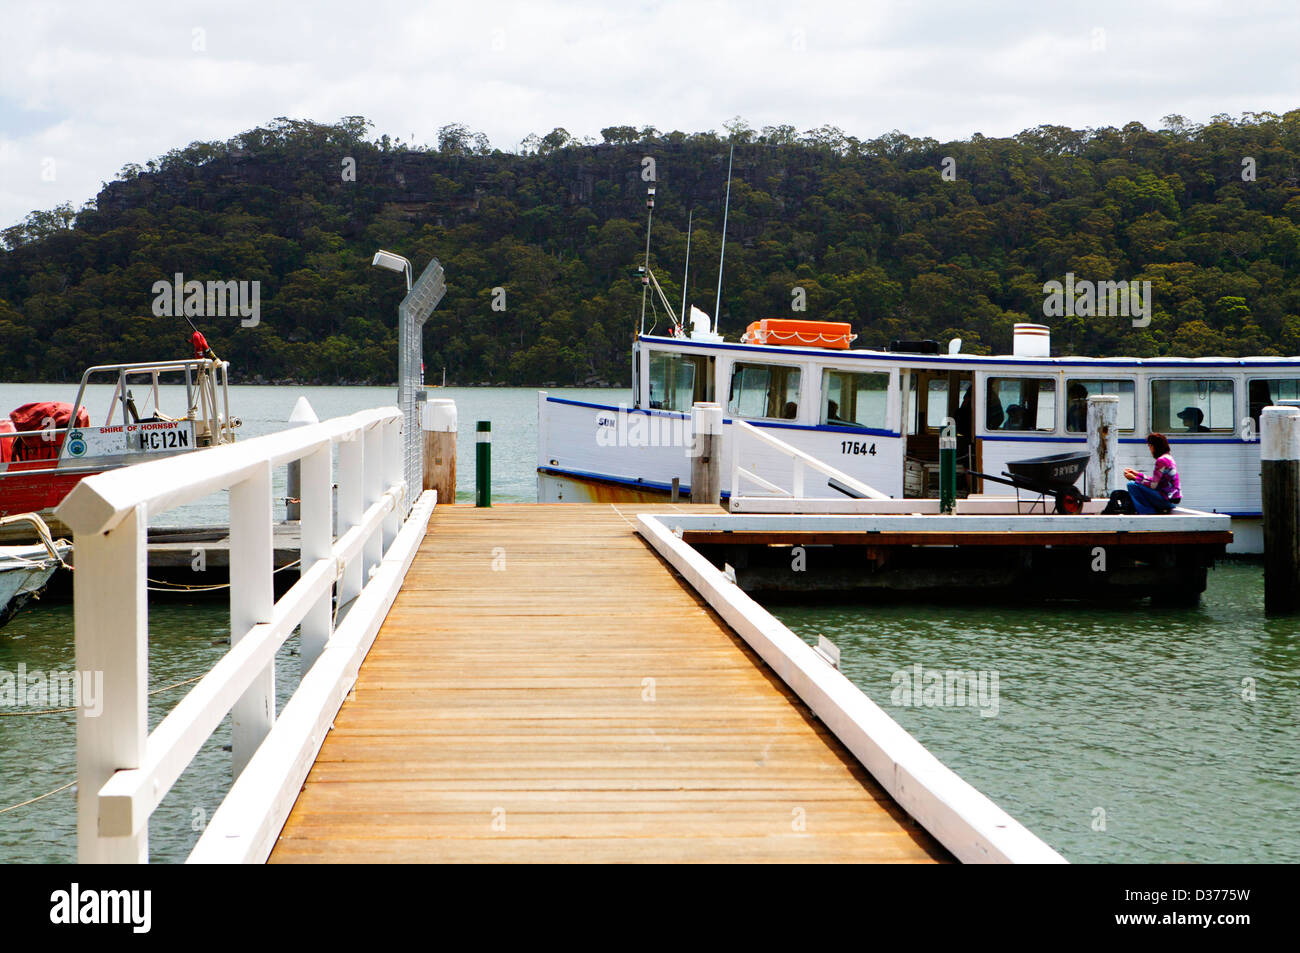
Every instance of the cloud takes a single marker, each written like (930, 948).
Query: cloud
(88, 88)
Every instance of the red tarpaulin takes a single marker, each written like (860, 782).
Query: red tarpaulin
(43, 415)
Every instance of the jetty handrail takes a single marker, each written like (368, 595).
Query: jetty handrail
(124, 771)
(799, 461)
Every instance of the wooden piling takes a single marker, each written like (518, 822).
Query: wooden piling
(1103, 444)
(438, 421)
(706, 453)
(1279, 456)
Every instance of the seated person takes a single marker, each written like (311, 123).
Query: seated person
(1158, 493)
(1017, 418)
(833, 416)
(993, 416)
(791, 410)
(1191, 418)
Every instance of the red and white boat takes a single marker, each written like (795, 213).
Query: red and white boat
(47, 447)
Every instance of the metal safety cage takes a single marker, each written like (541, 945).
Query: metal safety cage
(411, 315)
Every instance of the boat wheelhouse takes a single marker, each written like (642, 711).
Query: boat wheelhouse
(877, 415)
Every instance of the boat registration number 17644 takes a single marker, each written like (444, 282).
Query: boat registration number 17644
(857, 446)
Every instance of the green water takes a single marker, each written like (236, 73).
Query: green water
(1143, 714)
(1137, 712)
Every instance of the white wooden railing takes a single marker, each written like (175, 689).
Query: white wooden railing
(124, 771)
(746, 438)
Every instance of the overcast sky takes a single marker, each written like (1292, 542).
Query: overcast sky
(86, 88)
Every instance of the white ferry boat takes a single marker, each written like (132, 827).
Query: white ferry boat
(876, 414)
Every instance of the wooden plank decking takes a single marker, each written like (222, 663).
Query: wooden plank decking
(546, 689)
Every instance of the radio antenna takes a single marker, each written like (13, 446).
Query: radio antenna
(686, 273)
(722, 253)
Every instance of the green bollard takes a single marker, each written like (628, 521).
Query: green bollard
(483, 464)
(948, 466)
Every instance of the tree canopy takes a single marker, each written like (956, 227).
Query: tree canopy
(903, 237)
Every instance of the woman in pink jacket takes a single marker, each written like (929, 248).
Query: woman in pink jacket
(1158, 493)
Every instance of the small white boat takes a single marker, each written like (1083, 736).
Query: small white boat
(26, 569)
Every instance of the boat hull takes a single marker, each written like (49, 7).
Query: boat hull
(34, 491)
(24, 573)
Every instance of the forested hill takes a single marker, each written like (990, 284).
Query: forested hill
(905, 238)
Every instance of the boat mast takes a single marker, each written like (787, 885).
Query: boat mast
(686, 272)
(645, 270)
(717, 302)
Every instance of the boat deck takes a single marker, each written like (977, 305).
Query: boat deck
(545, 688)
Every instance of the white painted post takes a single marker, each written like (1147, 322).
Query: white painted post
(393, 475)
(351, 506)
(111, 615)
(252, 601)
(1103, 444)
(316, 541)
(375, 466)
(796, 486)
(301, 415)
(706, 459)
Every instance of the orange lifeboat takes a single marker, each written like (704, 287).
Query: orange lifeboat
(799, 333)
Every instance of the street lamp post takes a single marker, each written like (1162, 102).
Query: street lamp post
(422, 296)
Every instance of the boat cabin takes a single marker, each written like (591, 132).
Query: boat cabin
(890, 406)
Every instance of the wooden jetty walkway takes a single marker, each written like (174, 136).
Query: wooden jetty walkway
(545, 688)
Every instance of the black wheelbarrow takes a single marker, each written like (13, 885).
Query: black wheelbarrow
(1053, 475)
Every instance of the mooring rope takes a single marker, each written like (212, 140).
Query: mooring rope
(55, 711)
(162, 585)
(50, 711)
(42, 797)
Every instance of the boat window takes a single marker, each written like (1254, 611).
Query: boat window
(936, 404)
(1264, 393)
(1193, 405)
(854, 399)
(1021, 403)
(1079, 389)
(764, 390)
(676, 380)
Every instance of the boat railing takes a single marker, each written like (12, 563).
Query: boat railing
(124, 770)
(748, 442)
(207, 392)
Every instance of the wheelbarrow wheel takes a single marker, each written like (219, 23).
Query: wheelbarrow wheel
(1070, 501)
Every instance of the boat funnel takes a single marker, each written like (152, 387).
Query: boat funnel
(1032, 340)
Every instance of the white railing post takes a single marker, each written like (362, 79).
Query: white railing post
(252, 601)
(317, 540)
(112, 639)
(394, 475)
(125, 771)
(351, 506)
(797, 484)
(375, 467)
